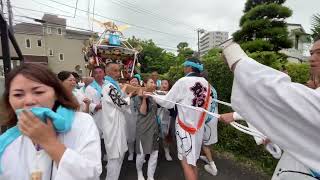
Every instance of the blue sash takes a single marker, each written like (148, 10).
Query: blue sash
(97, 87)
(113, 82)
(62, 121)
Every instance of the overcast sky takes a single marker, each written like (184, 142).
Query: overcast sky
(167, 22)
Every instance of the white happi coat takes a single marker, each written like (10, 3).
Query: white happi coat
(95, 99)
(80, 161)
(80, 96)
(190, 91)
(114, 107)
(288, 168)
(287, 113)
(210, 134)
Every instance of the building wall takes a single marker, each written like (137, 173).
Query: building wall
(300, 50)
(212, 39)
(71, 50)
(68, 44)
(35, 49)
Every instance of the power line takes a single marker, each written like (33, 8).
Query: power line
(88, 12)
(166, 47)
(137, 26)
(94, 5)
(75, 10)
(85, 30)
(153, 13)
(134, 8)
(50, 6)
(62, 25)
(156, 14)
(35, 25)
(16, 7)
(56, 24)
(44, 12)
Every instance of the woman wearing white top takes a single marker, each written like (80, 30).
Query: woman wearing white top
(69, 82)
(47, 138)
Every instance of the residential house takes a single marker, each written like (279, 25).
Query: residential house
(301, 44)
(50, 42)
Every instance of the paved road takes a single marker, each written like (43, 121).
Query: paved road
(227, 170)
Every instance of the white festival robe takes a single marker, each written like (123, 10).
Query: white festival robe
(95, 98)
(80, 161)
(210, 134)
(114, 107)
(287, 168)
(185, 91)
(80, 96)
(286, 112)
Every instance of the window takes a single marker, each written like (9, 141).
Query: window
(59, 30)
(39, 42)
(49, 30)
(50, 52)
(28, 43)
(61, 56)
(296, 43)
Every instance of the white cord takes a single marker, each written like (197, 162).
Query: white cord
(188, 106)
(221, 102)
(273, 149)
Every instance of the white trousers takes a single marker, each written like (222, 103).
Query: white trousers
(131, 147)
(114, 168)
(152, 163)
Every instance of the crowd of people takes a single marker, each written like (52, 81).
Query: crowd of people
(64, 126)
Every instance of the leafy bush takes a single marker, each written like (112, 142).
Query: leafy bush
(298, 72)
(270, 58)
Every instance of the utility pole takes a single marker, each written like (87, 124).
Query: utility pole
(1, 4)
(10, 19)
(199, 31)
(10, 16)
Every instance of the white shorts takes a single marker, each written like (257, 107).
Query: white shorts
(210, 134)
(188, 145)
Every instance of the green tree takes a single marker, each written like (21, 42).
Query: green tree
(182, 46)
(184, 51)
(315, 26)
(269, 58)
(263, 26)
(152, 57)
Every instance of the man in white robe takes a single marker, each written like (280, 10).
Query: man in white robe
(284, 111)
(195, 91)
(94, 92)
(114, 105)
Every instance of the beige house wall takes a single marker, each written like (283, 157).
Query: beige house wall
(70, 45)
(34, 49)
